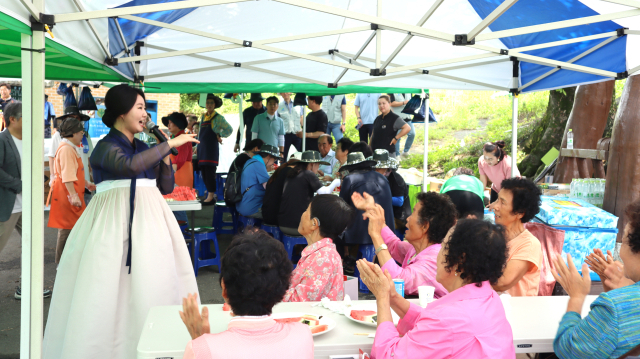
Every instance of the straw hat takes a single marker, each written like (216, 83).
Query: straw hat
(384, 160)
(356, 158)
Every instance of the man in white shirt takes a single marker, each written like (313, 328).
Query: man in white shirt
(292, 124)
(335, 106)
(325, 142)
(11, 177)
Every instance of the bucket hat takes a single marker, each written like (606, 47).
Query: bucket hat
(354, 159)
(255, 97)
(178, 119)
(270, 150)
(313, 157)
(384, 160)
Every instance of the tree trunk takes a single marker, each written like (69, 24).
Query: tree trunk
(549, 131)
(623, 172)
(588, 120)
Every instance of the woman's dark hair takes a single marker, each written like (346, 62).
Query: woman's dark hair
(386, 97)
(439, 212)
(479, 250)
(299, 167)
(495, 148)
(333, 213)
(281, 168)
(256, 271)
(253, 144)
(119, 100)
(361, 147)
(345, 144)
(633, 216)
(526, 197)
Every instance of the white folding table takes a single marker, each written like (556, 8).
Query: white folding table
(534, 321)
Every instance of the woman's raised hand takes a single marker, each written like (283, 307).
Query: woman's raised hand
(598, 262)
(375, 215)
(362, 203)
(614, 277)
(196, 323)
(379, 283)
(182, 139)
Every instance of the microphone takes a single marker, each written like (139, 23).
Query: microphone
(155, 130)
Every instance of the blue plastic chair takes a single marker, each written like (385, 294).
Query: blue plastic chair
(198, 184)
(369, 252)
(221, 178)
(204, 238)
(244, 222)
(218, 219)
(274, 231)
(290, 242)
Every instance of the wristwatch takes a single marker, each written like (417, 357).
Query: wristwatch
(382, 247)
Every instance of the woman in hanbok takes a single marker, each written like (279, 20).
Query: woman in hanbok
(126, 253)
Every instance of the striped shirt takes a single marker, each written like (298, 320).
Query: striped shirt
(611, 329)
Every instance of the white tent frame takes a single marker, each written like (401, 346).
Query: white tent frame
(33, 85)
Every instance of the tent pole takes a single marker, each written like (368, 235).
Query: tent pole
(241, 125)
(514, 135)
(425, 169)
(304, 129)
(379, 38)
(31, 319)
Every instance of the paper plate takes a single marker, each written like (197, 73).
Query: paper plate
(371, 307)
(325, 320)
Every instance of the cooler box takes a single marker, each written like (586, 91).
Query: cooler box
(351, 287)
(586, 227)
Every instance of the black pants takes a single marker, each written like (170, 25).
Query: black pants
(291, 139)
(365, 132)
(209, 177)
(494, 196)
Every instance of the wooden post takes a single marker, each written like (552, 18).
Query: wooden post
(587, 120)
(623, 171)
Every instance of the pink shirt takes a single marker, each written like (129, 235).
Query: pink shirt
(466, 323)
(417, 271)
(254, 337)
(497, 173)
(318, 274)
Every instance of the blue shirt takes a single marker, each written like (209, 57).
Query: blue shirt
(254, 175)
(268, 129)
(368, 103)
(611, 329)
(48, 112)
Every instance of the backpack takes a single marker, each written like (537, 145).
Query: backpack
(232, 187)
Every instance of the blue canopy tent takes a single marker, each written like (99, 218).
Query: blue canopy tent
(317, 47)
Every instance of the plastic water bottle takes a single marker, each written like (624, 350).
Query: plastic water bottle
(570, 139)
(572, 188)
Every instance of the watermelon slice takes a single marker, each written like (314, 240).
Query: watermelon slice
(288, 320)
(309, 320)
(364, 315)
(319, 328)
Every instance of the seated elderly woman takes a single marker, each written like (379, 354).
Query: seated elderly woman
(612, 327)
(469, 322)
(518, 202)
(319, 271)
(432, 217)
(254, 276)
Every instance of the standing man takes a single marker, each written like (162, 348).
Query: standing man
(49, 115)
(248, 115)
(268, 126)
(316, 123)
(366, 106)
(11, 177)
(398, 103)
(292, 124)
(325, 142)
(5, 99)
(335, 107)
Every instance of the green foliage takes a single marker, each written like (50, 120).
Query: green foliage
(189, 104)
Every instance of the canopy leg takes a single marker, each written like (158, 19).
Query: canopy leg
(425, 171)
(514, 135)
(32, 175)
(241, 125)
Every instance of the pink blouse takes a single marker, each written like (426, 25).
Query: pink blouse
(254, 337)
(467, 323)
(417, 271)
(318, 274)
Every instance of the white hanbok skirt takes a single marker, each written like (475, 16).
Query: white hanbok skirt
(98, 308)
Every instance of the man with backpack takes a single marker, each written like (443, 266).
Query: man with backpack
(253, 181)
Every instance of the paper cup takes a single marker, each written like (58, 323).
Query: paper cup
(425, 293)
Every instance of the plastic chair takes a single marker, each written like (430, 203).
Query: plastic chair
(244, 222)
(274, 231)
(221, 178)
(218, 219)
(204, 237)
(198, 184)
(369, 252)
(289, 242)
